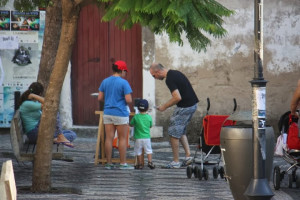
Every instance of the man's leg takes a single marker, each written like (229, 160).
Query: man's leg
(185, 143)
(109, 137)
(186, 116)
(175, 148)
(122, 136)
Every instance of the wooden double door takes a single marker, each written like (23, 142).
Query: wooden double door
(97, 46)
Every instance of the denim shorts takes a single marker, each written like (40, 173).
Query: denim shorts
(115, 120)
(179, 121)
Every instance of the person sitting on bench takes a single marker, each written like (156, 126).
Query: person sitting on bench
(31, 104)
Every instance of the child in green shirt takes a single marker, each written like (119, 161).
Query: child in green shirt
(142, 123)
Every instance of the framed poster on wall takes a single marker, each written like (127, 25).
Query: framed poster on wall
(20, 52)
(4, 20)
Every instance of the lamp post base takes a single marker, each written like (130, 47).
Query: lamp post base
(259, 189)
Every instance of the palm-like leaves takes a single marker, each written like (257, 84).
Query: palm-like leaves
(194, 17)
(27, 5)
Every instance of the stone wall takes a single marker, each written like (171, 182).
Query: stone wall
(223, 72)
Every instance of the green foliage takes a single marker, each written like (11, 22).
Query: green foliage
(27, 5)
(3, 2)
(175, 17)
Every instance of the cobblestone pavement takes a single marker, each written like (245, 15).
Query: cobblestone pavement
(81, 179)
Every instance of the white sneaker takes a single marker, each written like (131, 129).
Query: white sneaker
(173, 165)
(187, 161)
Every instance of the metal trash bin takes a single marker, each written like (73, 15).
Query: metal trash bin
(237, 151)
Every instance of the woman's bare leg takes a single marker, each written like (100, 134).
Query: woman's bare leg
(109, 137)
(122, 136)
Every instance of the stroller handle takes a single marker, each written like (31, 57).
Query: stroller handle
(235, 105)
(208, 104)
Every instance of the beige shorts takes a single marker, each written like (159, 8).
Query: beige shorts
(115, 120)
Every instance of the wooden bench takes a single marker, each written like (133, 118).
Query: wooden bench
(22, 149)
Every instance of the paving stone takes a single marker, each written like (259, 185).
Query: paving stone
(81, 179)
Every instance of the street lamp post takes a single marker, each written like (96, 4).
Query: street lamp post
(258, 187)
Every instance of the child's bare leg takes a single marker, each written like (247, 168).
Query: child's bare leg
(142, 158)
(150, 163)
(149, 156)
(139, 159)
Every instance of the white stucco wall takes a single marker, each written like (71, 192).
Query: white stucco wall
(65, 106)
(223, 72)
(281, 38)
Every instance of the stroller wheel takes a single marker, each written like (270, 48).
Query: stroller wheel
(290, 180)
(200, 174)
(215, 172)
(298, 180)
(205, 174)
(222, 172)
(196, 171)
(276, 177)
(189, 171)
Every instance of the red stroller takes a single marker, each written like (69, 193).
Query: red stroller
(288, 124)
(210, 132)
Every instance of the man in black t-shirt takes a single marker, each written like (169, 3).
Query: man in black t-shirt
(184, 96)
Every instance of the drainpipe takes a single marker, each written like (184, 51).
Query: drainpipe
(258, 187)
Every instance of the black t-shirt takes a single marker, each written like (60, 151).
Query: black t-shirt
(177, 80)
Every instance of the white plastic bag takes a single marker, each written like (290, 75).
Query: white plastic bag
(279, 146)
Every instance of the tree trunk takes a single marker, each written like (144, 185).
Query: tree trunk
(50, 43)
(41, 180)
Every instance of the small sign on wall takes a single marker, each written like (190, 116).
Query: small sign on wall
(9, 42)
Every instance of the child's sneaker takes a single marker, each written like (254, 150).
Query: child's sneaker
(151, 165)
(187, 161)
(109, 166)
(173, 165)
(125, 166)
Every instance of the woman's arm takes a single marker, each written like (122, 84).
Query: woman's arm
(36, 97)
(101, 96)
(128, 98)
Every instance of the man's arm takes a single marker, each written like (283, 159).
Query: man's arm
(295, 99)
(176, 97)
